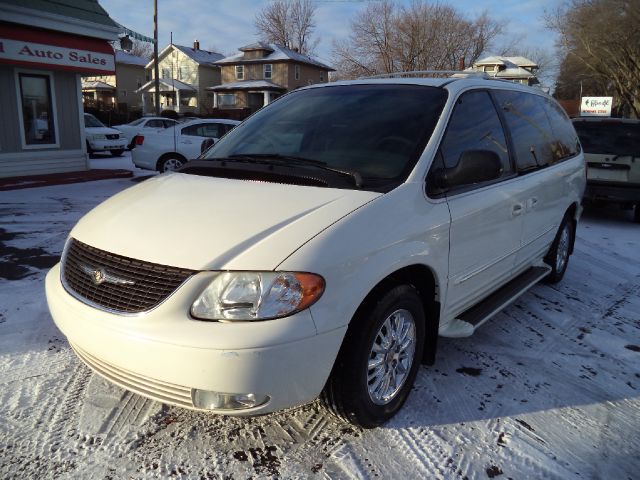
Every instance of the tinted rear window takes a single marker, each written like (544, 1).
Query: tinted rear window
(609, 138)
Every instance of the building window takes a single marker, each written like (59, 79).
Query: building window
(267, 69)
(226, 99)
(36, 102)
(239, 72)
(139, 82)
(322, 76)
(166, 73)
(296, 70)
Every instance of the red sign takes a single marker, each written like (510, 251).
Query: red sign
(27, 46)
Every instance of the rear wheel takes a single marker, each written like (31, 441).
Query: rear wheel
(170, 163)
(558, 256)
(378, 360)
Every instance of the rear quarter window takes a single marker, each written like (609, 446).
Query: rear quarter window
(530, 129)
(566, 142)
(609, 137)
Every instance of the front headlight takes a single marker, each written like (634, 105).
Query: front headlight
(97, 136)
(257, 295)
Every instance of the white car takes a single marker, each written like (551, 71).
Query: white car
(144, 124)
(323, 245)
(169, 149)
(101, 138)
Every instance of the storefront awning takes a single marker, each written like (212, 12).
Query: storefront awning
(36, 47)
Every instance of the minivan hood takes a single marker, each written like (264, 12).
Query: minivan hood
(204, 223)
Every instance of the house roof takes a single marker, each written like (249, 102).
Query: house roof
(507, 61)
(129, 59)
(277, 53)
(510, 69)
(166, 85)
(256, 46)
(97, 85)
(248, 85)
(201, 57)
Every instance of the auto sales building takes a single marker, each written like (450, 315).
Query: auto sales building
(45, 47)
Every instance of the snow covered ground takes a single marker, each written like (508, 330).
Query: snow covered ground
(549, 388)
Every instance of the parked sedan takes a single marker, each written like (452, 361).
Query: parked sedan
(171, 148)
(101, 138)
(143, 124)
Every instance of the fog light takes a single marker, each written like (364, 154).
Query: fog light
(208, 400)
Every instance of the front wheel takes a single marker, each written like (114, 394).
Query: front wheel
(558, 256)
(378, 360)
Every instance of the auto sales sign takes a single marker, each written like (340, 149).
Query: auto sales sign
(59, 51)
(596, 106)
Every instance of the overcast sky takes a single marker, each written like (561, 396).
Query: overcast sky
(226, 25)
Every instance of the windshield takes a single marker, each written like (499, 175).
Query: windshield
(609, 137)
(91, 121)
(375, 131)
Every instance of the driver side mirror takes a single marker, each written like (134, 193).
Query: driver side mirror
(474, 166)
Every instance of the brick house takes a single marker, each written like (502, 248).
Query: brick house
(262, 72)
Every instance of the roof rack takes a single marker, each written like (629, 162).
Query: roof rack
(430, 73)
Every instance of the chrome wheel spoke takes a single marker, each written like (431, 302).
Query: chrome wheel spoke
(391, 356)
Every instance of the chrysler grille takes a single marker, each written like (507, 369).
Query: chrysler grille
(115, 282)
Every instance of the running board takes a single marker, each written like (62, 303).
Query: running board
(467, 323)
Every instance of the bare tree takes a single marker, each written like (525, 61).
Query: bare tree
(290, 23)
(386, 37)
(603, 38)
(142, 49)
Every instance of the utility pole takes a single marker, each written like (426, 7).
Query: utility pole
(155, 57)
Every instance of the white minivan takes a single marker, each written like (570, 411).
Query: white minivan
(322, 246)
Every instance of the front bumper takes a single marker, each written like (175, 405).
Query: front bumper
(105, 145)
(164, 354)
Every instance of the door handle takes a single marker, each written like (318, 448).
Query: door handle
(517, 209)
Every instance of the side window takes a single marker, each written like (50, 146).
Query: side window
(155, 124)
(529, 127)
(566, 144)
(210, 130)
(168, 123)
(474, 125)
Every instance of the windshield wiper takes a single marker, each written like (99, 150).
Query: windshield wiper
(285, 160)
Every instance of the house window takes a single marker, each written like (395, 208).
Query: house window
(36, 102)
(183, 72)
(166, 73)
(322, 76)
(267, 69)
(139, 82)
(296, 70)
(239, 72)
(226, 99)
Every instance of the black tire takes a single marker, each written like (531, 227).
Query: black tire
(117, 153)
(561, 248)
(169, 163)
(348, 393)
